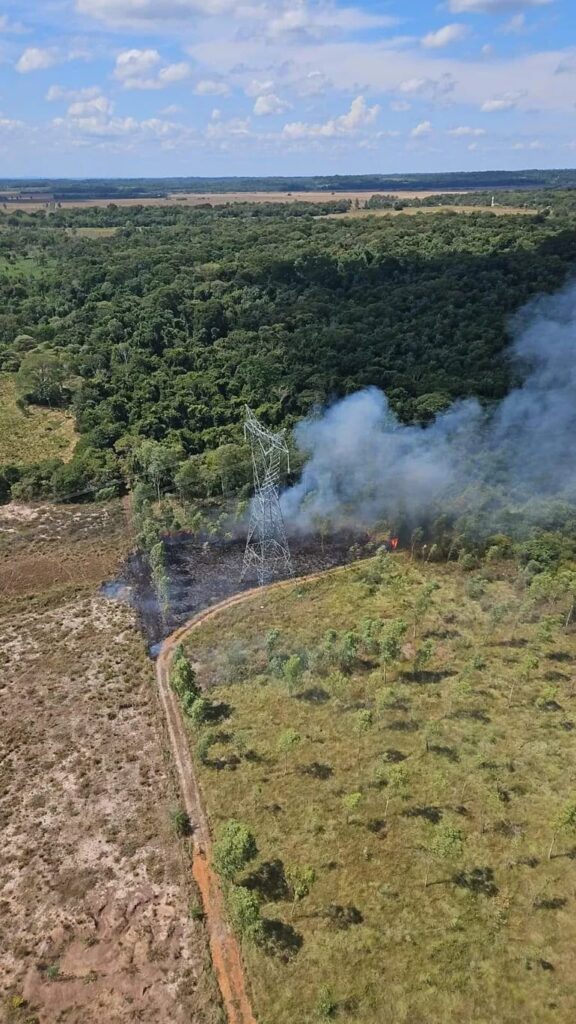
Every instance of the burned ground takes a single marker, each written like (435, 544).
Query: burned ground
(206, 570)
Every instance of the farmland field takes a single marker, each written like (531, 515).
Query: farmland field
(221, 198)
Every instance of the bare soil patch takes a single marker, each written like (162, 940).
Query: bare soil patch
(95, 889)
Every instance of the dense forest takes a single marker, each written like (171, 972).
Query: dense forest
(159, 324)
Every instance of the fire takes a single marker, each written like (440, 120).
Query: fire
(394, 541)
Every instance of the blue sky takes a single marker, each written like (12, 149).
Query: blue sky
(180, 87)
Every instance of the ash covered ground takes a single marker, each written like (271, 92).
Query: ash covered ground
(206, 570)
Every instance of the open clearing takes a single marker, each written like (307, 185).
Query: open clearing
(412, 210)
(423, 794)
(95, 889)
(35, 434)
(221, 198)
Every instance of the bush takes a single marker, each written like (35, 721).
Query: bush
(243, 908)
(235, 846)
(180, 822)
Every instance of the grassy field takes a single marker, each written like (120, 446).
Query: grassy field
(422, 786)
(32, 435)
(96, 891)
(498, 211)
(219, 199)
(91, 232)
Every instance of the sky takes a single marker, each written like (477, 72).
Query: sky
(92, 88)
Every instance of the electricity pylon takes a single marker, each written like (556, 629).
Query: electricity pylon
(267, 552)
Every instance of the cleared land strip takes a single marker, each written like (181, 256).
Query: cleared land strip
(226, 956)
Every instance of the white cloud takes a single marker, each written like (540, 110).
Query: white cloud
(256, 87)
(434, 89)
(515, 26)
(138, 69)
(445, 36)
(399, 105)
(422, 129)
(92, 124)
(303, 80)
(172, 109)
(532, 144)
(90, 107)
(36, 59)
(465, 129)
(211, 87)
(493, 6)
(134, 12)
(174, 73)
(508, 101)
(269, 104)
(10, 26)
(9, 125)
(567, 65)
(57, 92)
(359, 116)
(227, 133)
(135, 63)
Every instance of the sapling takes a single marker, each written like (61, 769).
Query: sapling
(564, 821)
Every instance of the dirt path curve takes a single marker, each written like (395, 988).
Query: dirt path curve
(224, 948)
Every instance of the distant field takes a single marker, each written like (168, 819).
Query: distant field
(91, 232)
(499, 211)
(221, 198)
(35, 435)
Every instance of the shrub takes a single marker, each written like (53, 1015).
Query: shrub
(243, 908)
(235, 846)
(180, 822)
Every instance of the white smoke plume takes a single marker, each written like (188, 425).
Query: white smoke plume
(364, 465)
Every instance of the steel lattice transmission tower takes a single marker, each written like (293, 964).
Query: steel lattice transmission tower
(267, 552)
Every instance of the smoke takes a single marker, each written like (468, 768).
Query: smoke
(513, 459)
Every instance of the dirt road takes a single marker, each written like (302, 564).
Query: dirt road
(226, 956)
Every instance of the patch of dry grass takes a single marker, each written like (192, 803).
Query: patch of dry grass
(34, 435)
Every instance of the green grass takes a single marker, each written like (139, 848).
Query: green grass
(22, 266)
(91, 232)
(488, 749)
(36, 434)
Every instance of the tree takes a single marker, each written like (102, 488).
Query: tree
(243, 908)
(391, 644)
(351, 801)
(445, 845)
(234, 848)
(423, 655)
(396, 776)
(40, 378)
(363, 722)
(157, 461)
(180, 822)
(287, 742)
(182, 675)
(300, 880)
(422, 605)
(563, 822)
(529, 664)
(292, 670)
